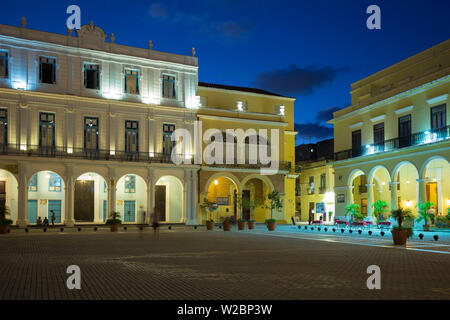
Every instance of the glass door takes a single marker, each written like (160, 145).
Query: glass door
(131, 139)
(91, 137)
(404, 131)
(3, 130)
(47, 134)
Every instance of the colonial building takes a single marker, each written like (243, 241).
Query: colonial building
(227, 107)
(86, 128)
(315, 184)
(392, 143)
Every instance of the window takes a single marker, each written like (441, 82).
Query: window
(356, 143)
(311, 185)
(439, 117)
(3, 64)
(323, 183)
(47, 70)
(131, 81)
(404, 131)
(46, 133)
(90, 133)
(131, 136)
(33, 184)
(378, 137)
(92, 76)
(4, 128)
(130, 184)
(104, 187)
(168, 144)
(168, 87)
(54, 183)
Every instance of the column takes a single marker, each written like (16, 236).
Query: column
(150, 195)
(394, 194)
(186, 196)
(111, 191)
(69, 191)
(22, 219)
(194, 195)
(422, 190)
(370, 199)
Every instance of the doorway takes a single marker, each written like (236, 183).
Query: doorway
(160, 201)
(432, 194)
(84, 201)
(129, 211)
(32, 211)
(246, 211)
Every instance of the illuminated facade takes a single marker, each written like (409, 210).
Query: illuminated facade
(392, 144)
(85, 128)
(226, 107)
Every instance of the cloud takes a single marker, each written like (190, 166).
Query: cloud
(297, 80)
(326, 114)
(313, 130)
(234, 29)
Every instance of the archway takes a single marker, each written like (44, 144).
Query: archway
(255, 194)
(380, 178)
(358, 195)
(405, 176)
(224, 192)
(9, 194)
(436, 171)
(46, 193)
(131, 198)
(169, 199)
(91, 198)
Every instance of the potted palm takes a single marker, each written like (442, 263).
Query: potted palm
(243, 204)
(210, 207)
(400, 234)
(252, 206)
(275, 204)
(114, 221)
(380, 207)
(4, 222)
(424, 214)
(226, 223)
(353, 210)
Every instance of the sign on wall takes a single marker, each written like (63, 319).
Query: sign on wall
(320, 207)
(341, 198)
(222, 201)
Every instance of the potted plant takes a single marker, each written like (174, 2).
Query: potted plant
(251, 205)
(424, 214)
(380, 207)
(210, 207)
(441, 222)
(4, 222)
(353, 210)
(275, 204)
(114, 221)
(226, 223)
(448, 216)
(400, 234)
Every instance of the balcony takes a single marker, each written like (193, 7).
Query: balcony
(416, 139)
(83, 154)
(311, 191)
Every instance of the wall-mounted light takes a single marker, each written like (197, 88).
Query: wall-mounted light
(48, 175)
(19, 85)
(408, 182)
(448, 202)
(151, 154)
(240, 106)
(282, 111)
(112, 152)
(69, 150)
(408, 203)
(23, 147)
(216, 182)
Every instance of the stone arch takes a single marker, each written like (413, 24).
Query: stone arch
(399, 165)
(265, 179)
(423, 169)
(353, 175)
(227, 175)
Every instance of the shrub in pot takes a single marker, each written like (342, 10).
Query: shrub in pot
(275, 204)
(380, 207)
(441, 222)
(226, 223)
(353, 210)
(4, 222)
(241, 224)
(424, 214)
(251, 205)
(114, 221)
(210, 207)
(400, 234)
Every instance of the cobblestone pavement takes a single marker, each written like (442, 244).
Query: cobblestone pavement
(184, 263)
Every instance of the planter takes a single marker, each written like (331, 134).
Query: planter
(209, 225)
(251, 225)
(271, 225)
(399, 237)
(226, 226)
(426, 227)
(241, 225)
(3, 228)
(114, 227)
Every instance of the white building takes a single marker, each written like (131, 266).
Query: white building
(85, 127)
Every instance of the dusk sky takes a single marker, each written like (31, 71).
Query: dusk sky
(310, 50)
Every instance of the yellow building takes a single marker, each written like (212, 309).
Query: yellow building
(392, 143)
(226, 107)
(315, 184)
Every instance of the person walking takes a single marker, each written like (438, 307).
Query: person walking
(53, 217)
(39, 222)
(155, 223)
(45, 222)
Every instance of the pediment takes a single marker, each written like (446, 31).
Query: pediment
(91, 37)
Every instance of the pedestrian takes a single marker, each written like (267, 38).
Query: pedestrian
(39, 222)
(155, 222)
(45, 222)
(53, 217)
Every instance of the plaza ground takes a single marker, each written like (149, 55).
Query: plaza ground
(188, 263)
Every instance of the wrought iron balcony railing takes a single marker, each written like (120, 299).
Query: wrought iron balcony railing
(108, 155)
(415, 139)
